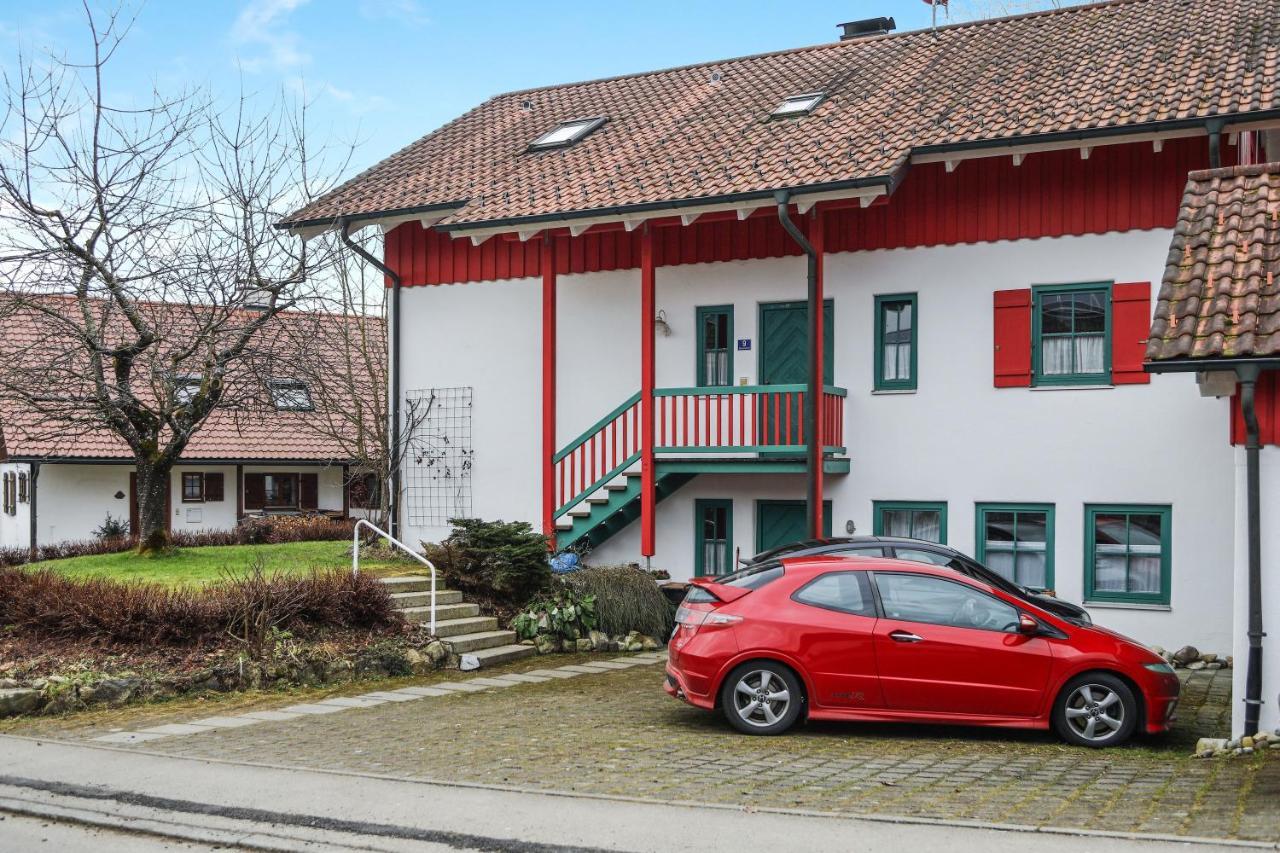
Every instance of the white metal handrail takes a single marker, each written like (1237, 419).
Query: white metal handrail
(355, 559)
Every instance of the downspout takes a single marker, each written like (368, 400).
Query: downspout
(32, 522)
(393, 496)
(813, 506)
(1214, 127)
(1248, 374)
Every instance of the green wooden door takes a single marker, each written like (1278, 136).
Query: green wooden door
(780, 523)
(784, 359)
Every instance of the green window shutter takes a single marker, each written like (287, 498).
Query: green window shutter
(715, 346)
(713, 537)
(1127, 553)
(1016, 541)
(925, 520)
(1071, 334)
(896, 358)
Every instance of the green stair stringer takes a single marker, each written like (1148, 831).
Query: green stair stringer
(622, 508)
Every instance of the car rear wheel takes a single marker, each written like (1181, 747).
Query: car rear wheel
(1096, 709)
(762, 698)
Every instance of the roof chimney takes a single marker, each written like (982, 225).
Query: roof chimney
(866, 27)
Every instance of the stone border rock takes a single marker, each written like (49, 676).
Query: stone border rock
(1220, 747)
(595, 641)
(1189, 657)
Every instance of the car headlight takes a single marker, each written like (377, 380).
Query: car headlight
(1162, 668)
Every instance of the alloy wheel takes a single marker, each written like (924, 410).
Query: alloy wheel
(1095, 712)
(761, 698)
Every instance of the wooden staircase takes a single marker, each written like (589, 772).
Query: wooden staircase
(458, 624)
(612, 507)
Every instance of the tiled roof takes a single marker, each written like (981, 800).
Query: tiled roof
(257, 433)
(1221, 292)
(704, 131)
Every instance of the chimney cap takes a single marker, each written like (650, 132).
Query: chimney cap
(866, 27)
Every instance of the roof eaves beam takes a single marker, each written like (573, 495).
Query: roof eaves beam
(951, 159)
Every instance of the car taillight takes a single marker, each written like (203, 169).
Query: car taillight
(695, 619)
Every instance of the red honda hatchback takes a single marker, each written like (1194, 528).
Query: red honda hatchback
(887, 640)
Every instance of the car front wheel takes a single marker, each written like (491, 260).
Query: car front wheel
(1096, 709)
(762, 698)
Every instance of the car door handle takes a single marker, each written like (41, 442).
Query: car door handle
(904, 637)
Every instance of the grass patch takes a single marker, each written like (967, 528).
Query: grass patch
(196, 566)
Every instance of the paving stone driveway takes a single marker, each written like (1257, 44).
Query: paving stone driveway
(618, 733)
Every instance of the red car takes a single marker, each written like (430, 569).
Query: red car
(888, 640)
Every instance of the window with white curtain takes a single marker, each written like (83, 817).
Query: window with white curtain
(895, 338)
(1072, 325)
(1127, 555)
(1016, 542)
(911, 520)
(715, 346)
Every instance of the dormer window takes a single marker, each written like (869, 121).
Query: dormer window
(290, 395)
(566, 133)
(798, 105)
(185, 388)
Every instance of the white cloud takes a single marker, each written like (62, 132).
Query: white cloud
(402, 11)
(262, 35)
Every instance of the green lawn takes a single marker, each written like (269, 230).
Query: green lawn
(199, 565)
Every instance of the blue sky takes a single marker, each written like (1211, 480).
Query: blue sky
(381, 73)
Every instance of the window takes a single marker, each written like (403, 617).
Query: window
(714, 548)
(845, 591)
(290, 395)
(280, 490)
(10, 489)
(1016, 542)
(22, 489)
(1127, 553)
(1071, 334)
(192, 486)
(566, 133)
(935, 601)
(185, 389)
(911, 520)
(365, 491)
(895, 338)
(797, 105)
(715, 346)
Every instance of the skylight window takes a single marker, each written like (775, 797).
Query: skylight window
(566, 133)
(798, 105)
(290, 395)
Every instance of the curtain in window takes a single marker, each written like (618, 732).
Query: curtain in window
(715, 557)
(927, 525)
(716, 367)
(923, 524)
(897, 341)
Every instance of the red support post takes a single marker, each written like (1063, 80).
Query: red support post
(548, 389)
(819, 365)
(648, 475)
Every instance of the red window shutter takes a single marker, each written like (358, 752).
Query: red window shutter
(1130, 327)
(255, 491)
(309, 491)
(213, 486)
(1012, 338)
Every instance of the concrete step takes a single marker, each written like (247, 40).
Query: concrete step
(450, 628)
(447, 611)
(503, 654)
(582, 509)
(411, 583)
(617, 484)
(599, 496)
(564, 522)
(401, 600)
(463, 643)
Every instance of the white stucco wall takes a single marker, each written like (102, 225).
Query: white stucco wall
(957, 439)
(15, 530)
(1269, 503)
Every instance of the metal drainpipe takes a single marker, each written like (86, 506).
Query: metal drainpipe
(32, 521)
(393, 497)
(1215, 142)
(1253, 674)
(814, 395)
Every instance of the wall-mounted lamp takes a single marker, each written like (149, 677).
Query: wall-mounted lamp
(661, 322)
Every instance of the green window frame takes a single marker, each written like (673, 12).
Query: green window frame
(1068, 300)
(890, 311)
(712, 516)
(715, 346)
(1015, 548)
(879, 509)
(1124, 545)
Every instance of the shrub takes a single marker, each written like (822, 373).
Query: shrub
(248, 607)
(112, 528)
(627, 599)
(501, 564)
(563, 614)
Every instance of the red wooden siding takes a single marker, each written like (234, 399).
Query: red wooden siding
(1266, 400)
(1119, 188)
(1012, 350)
(1130, 325)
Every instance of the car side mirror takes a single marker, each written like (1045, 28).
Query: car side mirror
(1028, 625)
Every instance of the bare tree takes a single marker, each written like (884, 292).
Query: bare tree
(138, 250)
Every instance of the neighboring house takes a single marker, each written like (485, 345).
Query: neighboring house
(283, 456)
(598, 282)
